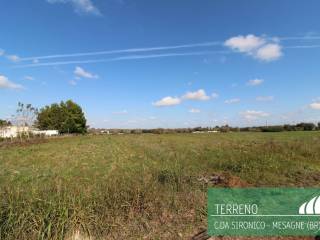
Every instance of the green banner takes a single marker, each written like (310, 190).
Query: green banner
(264, 211)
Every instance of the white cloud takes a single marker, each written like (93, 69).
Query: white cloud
(254, 115)
(13, 58)
(80, 72)
(29, 78)
(80, 6)
(315, 105)
(231, 101)
(197, 95)
(214, 95)
(2, 52)
(264, 98)
(269, 52)
(5, 83)
(255, 82)
(167, 101)
(194, 110)
(245, 44)
(265, 49)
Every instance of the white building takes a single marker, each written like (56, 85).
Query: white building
(47, 133)
(15, 131)
(105, 131)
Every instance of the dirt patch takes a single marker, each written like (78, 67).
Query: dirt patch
(77, 235)
(223, 180)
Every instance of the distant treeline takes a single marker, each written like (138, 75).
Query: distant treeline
(281, 128)
(5, 123)
(226, 128)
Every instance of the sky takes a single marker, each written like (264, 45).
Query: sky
(164, 63)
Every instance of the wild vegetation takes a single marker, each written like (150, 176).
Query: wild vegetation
(66, 117)
(140, 186)
(4, 123)
(303, 126)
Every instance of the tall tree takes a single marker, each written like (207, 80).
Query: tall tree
(67, 117)
(26, 114)
(25, 117)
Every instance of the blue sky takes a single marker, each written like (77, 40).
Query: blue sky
(135, 64)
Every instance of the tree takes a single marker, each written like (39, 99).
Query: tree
(306, 126)
(66, 117)
(225, 128)
(318, 125)
(273, 129)
(25, 117)
(25, 114)
(4, 123)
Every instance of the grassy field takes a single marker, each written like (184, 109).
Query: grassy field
(139, 186)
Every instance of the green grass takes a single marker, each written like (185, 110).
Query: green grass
(139, 186)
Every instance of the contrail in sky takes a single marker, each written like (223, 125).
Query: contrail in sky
(123, 58)
(303, 46)
(300, 38)
(130, 50)
(141, 50)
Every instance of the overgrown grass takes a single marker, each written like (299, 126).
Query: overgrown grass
(139, 186)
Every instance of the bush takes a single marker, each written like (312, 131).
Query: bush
(66, 117)
(273, 129)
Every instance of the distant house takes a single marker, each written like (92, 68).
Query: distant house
(213, 131)
(15, 131)
(210, 131)
(48, 133)
(105, 131)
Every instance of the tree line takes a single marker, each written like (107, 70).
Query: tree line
(68, 117)
(225, 128)
(5, 123)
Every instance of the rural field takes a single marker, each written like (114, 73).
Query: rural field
(140, 186)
